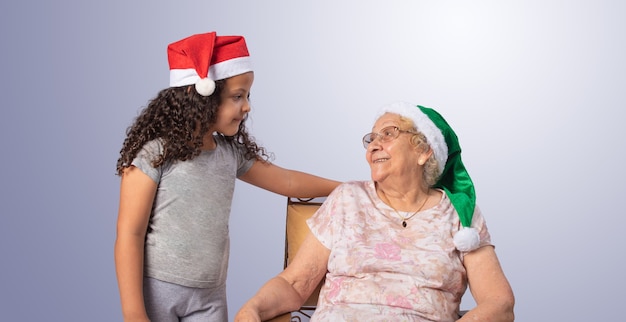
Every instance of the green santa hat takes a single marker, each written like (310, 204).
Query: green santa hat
(453, 177)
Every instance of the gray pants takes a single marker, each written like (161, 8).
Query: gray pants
(167, 302)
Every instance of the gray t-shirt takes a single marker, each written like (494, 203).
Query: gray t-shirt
(187, 241)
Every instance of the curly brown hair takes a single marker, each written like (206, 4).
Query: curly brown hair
(180, 117)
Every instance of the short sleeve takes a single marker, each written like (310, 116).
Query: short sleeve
(144, 159)
(479, 223)
(244, 165)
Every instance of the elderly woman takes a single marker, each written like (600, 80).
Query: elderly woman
(401, 247)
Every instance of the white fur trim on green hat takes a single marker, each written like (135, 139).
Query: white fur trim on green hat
(423, 124)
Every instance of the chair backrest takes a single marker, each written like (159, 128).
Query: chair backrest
(298, 211)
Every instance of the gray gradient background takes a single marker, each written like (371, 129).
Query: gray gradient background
(534, 89)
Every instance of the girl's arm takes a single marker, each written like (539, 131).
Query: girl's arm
(290, 289)
(287, 182)
(137, 192)
(490, 288)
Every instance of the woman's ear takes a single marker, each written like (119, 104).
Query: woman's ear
(424, 156)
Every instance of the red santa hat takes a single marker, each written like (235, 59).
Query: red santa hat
(202, 59)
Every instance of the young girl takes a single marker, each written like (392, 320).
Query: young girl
(178, 166)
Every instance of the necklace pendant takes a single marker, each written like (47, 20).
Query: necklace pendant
(403, 223)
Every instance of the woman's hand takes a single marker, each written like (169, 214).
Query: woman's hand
(247, 315)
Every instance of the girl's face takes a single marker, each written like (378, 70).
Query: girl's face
(235, 104)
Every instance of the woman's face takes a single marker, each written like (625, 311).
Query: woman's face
(235, 104)
(396, 159)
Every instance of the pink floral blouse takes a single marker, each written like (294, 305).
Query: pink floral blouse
(381, 271)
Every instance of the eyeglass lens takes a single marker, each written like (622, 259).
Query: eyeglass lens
(386, 134)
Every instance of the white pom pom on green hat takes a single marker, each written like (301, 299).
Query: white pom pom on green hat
(453, 179)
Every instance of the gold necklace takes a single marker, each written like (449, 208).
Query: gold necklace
(404, 219)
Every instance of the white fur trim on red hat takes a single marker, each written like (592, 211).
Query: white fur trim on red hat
(230, 68)
(182, 77)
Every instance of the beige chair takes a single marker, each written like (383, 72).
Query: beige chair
(298, 211)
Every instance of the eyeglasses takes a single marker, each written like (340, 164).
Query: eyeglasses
(386, 134)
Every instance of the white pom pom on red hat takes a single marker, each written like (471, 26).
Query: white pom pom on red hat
(205, 87)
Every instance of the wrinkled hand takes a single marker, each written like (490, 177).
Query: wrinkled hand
(247, 315)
